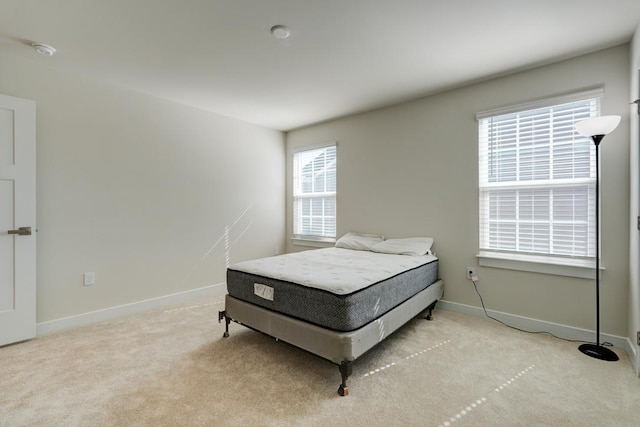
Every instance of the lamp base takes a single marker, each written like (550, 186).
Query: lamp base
(598, 352)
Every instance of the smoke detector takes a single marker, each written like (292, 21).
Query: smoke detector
(280, 31)
(44, 49)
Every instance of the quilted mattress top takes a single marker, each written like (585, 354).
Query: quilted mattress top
(336, 270)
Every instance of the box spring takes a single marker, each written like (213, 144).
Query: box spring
(334, 346)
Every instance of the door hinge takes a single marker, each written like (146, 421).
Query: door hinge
(638, 222)
(638, 337)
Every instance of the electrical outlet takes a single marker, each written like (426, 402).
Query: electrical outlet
(89, 278)
(471, 272)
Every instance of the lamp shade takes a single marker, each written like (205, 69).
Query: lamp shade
(597, 125)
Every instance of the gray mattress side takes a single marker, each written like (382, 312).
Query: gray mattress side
(328, 310)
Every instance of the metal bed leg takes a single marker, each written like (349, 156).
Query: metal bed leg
(429, 315)
(223, 315)
(345, 371)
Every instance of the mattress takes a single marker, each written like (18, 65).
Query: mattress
(334, 288)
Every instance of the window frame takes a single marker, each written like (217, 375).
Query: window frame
(573, 266)
(311, 239)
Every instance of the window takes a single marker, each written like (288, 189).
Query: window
(314, 193)
(537, 180)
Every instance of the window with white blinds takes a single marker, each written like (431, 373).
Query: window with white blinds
(314, 193)
(537, 181)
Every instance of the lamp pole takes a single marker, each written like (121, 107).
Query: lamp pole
(596, 141)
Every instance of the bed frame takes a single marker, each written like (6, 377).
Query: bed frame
(341, 348)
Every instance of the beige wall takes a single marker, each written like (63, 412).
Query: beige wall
(140, 190)
(412, 169)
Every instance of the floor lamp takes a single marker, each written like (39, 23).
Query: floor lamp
(596, 128)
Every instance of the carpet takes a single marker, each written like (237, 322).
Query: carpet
(172, 367)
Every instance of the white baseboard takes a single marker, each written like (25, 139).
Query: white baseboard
(521, 322)
(529, 324)
(57, 325)
(632, 351)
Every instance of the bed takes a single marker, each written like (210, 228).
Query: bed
(336, 302)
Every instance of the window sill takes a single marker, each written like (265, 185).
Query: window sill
(316, 242)
(557, 266)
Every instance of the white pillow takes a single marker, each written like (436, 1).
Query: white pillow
(360, 242)
(407, 246)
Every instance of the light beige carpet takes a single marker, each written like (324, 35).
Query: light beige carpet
(171, 367)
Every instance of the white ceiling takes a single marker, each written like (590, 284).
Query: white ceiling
(343, 56)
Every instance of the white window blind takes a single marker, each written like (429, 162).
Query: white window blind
(314, 193)
(537, 181)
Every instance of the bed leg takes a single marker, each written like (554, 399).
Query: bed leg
(430, 311)
(223, 315)
(345, 371)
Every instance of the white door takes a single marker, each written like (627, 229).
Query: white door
(635, 263)
(17, 214)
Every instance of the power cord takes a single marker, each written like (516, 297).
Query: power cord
(475, 285)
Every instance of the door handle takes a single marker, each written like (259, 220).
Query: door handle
(22, 231)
